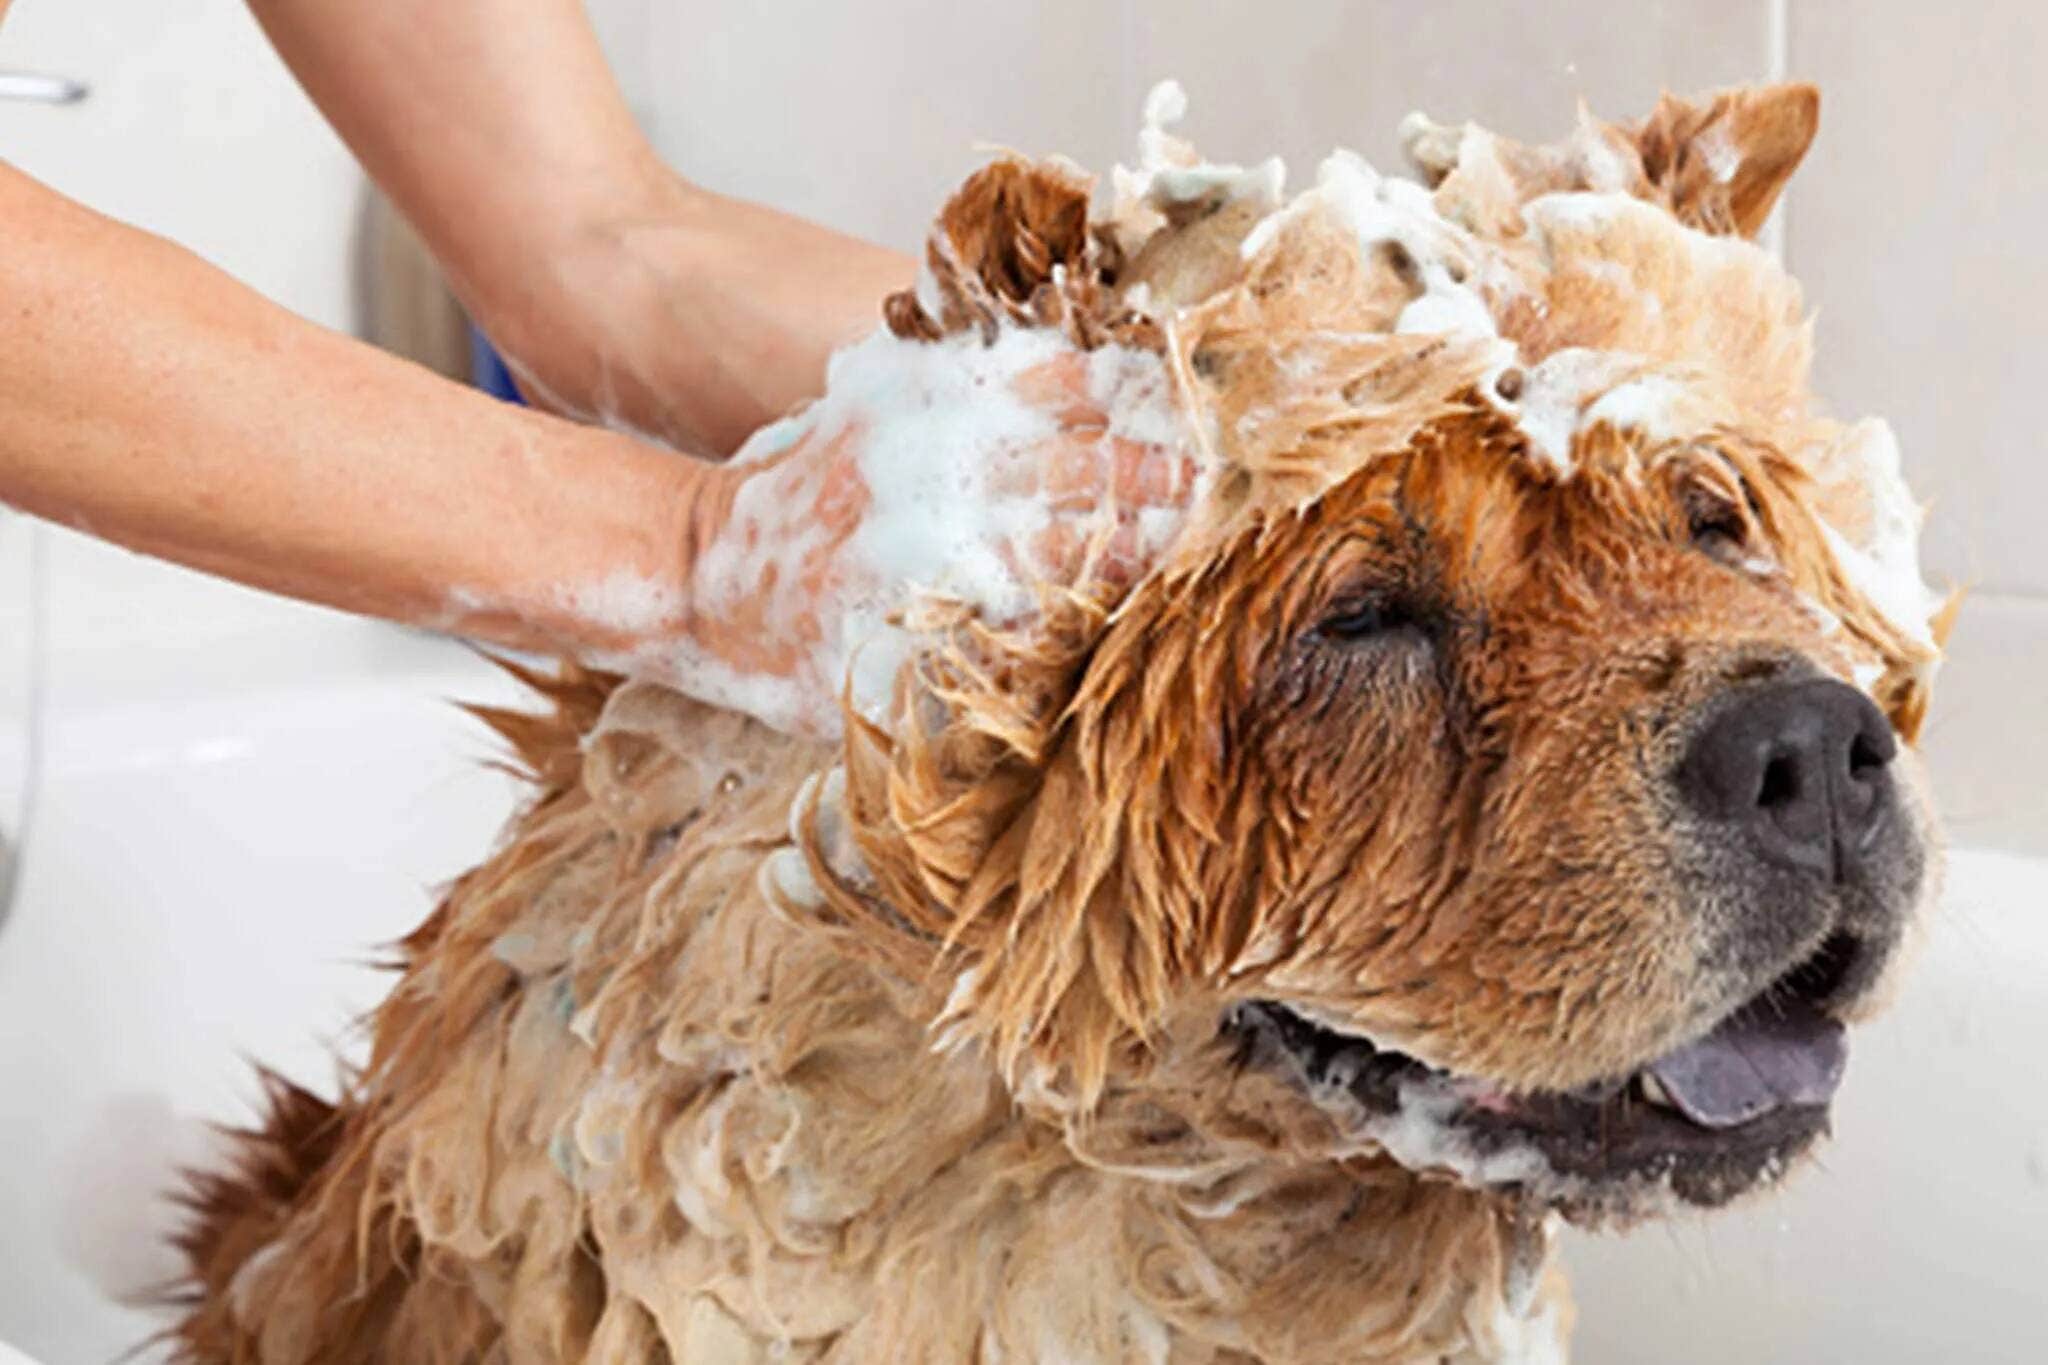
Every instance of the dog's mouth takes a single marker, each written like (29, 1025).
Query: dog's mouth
(1705, 1122)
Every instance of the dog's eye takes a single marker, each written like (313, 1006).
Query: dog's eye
(1364, 620)
(1718, 529)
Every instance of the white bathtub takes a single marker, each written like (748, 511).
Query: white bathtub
(241, 798)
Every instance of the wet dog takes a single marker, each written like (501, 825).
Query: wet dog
(1491, 805)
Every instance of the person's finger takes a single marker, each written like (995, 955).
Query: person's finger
(1016, 474)
(1058, 551)
(1079, 475)
(1059, 386)
(843, 499)
(1068, 474)
(1076, 472)
(1074, 552)
(843, 495)
(1116, 553)
(1147, 475)
(1014, 554)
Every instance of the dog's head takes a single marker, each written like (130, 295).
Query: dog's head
(1505, 769)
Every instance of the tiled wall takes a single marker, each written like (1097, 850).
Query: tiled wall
(19, 675)
(193, 129)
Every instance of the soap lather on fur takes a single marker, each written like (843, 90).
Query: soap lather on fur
(1471, 787)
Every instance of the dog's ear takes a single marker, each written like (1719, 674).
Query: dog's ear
(1722, 163)
(1014, 245)
(985, 846)
(1718, 162)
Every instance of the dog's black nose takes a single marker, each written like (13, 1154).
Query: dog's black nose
(1801, 769)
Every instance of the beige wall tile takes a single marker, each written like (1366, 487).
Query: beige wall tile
(866, 116)
(1917, 227)
(1298, 78)
(1986, 741)
(20, 632)
(194, 130)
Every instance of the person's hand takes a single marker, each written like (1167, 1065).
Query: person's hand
(681, 314)
(1048, 472)
(1106, 503)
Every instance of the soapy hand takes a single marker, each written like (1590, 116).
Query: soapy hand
(975, 473)
(1094, 486)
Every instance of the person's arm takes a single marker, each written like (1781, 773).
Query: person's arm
(614, 288)
(149, 399)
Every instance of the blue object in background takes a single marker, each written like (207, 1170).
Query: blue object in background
(487, 369)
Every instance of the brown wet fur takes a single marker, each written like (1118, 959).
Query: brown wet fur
(645, 1092)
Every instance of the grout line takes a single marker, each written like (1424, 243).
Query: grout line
(14, 852)
(1778, 62)
(1128, 74)
(2029, 597)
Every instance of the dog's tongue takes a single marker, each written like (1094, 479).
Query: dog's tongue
(1762, 1059)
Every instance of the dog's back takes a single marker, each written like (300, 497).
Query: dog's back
(621, 1108)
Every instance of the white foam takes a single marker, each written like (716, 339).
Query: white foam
(1537, 1339)
(1134, 389)
(1260, 184)
(772, 439)
(1607, 272)
(785, 880)
(932, 429)
(785, 702)
(1170, 173)
(1422, 1133)
(1715, 146)
(1576, 210)
(1422, 1136)
(1648, 403)
(1388, 210)
(1890, 580)
(1606, 171)
(624, 601)
(1885, 568)
(965, 983)
(1553, 405)
(1165, 103)
(939, 417)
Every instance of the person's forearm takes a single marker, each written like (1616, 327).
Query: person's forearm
(615, 288)
(495, 125)
(151, 400)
